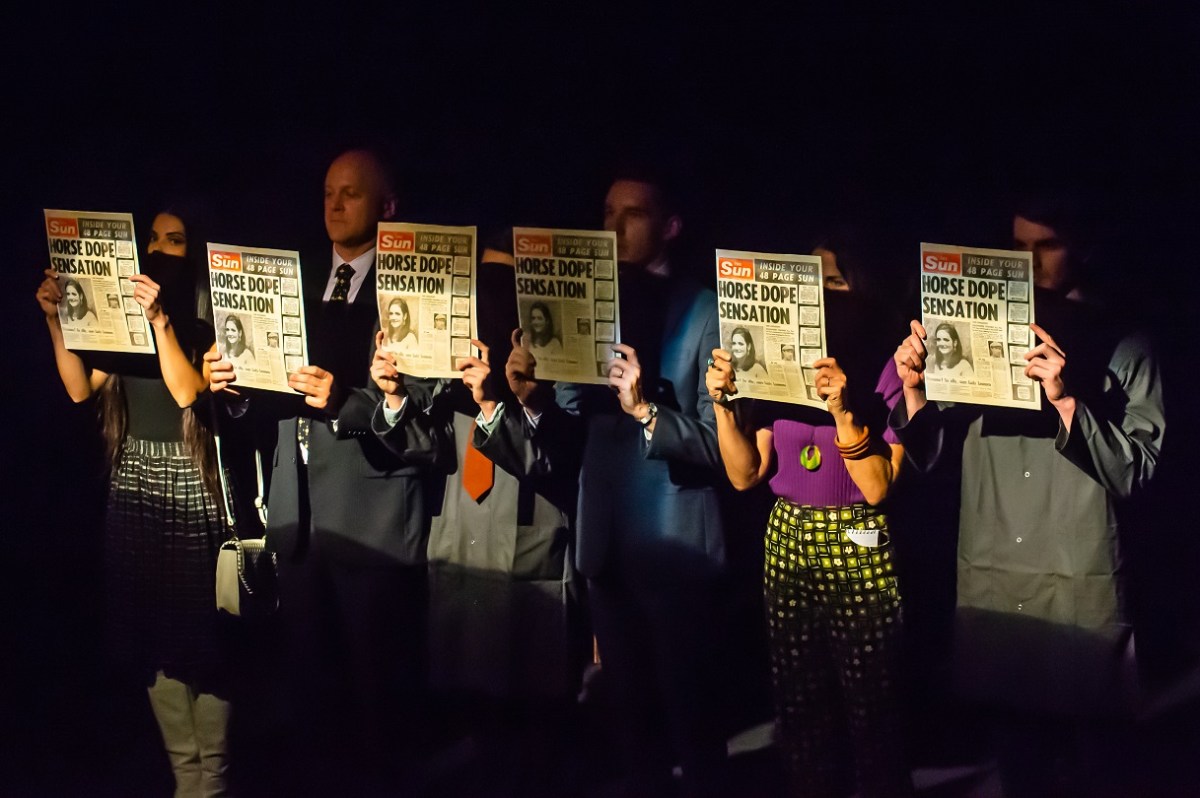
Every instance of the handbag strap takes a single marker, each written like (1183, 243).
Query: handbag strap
(227, 499)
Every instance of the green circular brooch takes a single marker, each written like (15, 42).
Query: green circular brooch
(810, 457)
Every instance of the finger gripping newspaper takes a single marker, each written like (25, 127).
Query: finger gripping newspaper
(257, 313)
(425, 285)
(95, 254)
(567, 301)
(772, 323)
(976, 306)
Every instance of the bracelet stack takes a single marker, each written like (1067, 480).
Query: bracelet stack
(856, 450)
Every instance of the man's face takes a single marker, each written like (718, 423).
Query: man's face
(355, 200)
(1051, 257)
(633, 210)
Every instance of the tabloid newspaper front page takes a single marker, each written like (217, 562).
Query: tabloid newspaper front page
(93, 253)
(567, 301)
(425, 284)
(772, 322)
(258, 314)
(976, 305)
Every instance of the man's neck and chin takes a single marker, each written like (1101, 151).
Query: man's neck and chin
(349, 252)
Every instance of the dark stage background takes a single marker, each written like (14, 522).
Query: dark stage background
(918, 122)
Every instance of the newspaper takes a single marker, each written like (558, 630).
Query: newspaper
(976, 305)
(425, 285)
(773, 323)
(258, 313)
(92, 252)
(567, 301)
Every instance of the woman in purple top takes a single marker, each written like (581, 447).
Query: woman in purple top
(833, 608)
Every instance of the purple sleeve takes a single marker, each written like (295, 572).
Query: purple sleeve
(891, 389)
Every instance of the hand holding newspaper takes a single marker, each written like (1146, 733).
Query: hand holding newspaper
(976, 308)
(567, 301)
(258, 316)
(425, 285)
(90, 253)
(772, 319)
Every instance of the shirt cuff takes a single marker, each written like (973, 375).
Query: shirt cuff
(391, 416)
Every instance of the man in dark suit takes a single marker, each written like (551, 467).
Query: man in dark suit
(347, 513)
(650, 536)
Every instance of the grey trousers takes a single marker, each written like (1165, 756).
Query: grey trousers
(193, 726)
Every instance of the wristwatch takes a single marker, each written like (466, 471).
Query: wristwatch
(651, 414)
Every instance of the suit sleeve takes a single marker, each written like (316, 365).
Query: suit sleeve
(689, 435)
(924, 436)
(419, 437)
(1117, 441)
(548, 450)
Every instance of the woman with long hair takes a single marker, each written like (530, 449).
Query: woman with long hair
(833, 606)
(542, 340)
(745, 358)
(948, 359)
(234, 342)
(163, 524)
(75, 307)
(399, 324)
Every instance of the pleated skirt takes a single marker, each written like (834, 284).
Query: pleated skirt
(163, 529)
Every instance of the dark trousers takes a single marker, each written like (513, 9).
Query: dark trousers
(352, 667)
(658, 640)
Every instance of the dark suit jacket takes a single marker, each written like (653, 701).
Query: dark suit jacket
(640, 502)
(362, 500)
(655, 502)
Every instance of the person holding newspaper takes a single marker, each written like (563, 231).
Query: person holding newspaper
(1043, 633)
(163, 524)
(347, 512)
(833, 607)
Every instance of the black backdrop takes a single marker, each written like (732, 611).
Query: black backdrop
(778, 122)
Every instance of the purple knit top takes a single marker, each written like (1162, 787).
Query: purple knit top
(829, 485)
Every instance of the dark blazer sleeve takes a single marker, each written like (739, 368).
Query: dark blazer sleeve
(546, 455)
(418, 438)
(689, 435)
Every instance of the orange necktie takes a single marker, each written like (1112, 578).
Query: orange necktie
(478, 472)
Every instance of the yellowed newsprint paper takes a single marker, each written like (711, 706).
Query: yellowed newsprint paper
(977, 305)
(425, 285)
(93, 254)
(258, 313)
(567, 301)
(773, 323)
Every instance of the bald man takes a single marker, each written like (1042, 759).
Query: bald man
(347, 513)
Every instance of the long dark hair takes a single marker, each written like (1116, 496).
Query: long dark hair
(197, 438)
(545, 339)
(747, 362)
(241, 335)
(393, 335)
(958, 349)
(83, 302)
